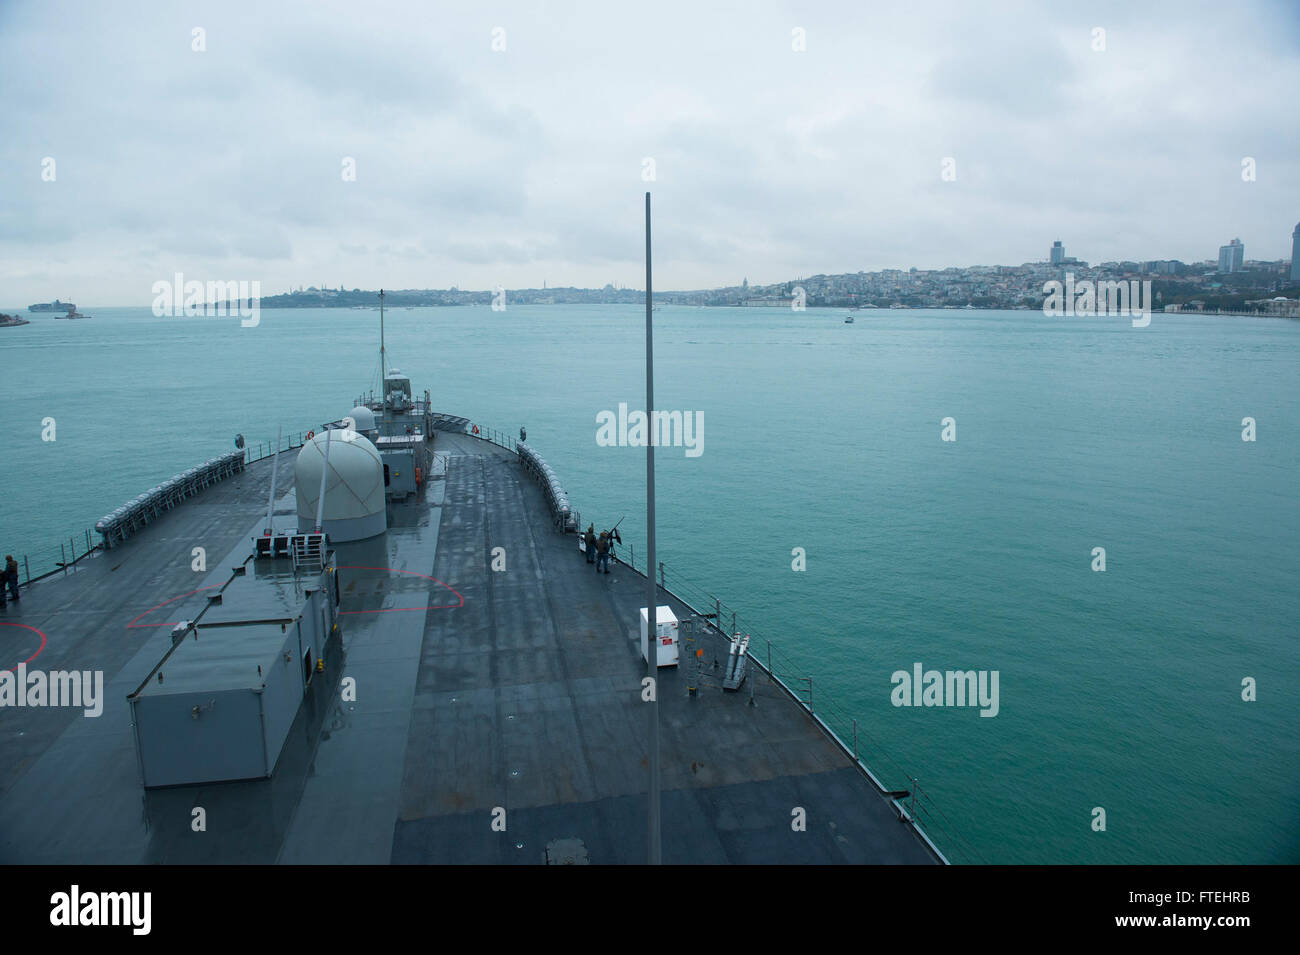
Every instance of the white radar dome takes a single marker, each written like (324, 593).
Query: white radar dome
(354, 487)
(364, 418)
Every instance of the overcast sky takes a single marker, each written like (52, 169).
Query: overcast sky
(478, 167)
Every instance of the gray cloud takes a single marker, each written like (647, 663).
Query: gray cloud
(481, 168)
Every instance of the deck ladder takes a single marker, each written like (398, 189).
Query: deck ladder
(308, 551)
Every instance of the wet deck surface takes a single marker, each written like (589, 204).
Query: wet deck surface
(475, 690)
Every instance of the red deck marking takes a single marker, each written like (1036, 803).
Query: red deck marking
(393, 570)
(38, 649)
(170, 623)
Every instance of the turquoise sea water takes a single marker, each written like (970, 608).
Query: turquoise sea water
(1119, 690)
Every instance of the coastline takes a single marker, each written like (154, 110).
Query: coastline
(216, 312)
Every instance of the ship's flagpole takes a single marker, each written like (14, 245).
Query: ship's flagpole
(383, 373)
(652, 598)
(324, 471)
(275, 469)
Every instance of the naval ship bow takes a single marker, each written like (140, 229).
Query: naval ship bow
(395, 652)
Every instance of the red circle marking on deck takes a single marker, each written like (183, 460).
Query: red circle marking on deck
(38, 649)
(171, 623)
(394, 570)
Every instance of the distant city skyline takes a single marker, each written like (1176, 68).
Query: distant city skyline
(1056, 257)
(1234, 262)
(414, 150)
(1230, 260)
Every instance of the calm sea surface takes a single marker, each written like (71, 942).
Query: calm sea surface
(1120, 690)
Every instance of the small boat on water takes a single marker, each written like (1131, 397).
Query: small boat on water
(72, 314)
(848, 320)
(10, 321)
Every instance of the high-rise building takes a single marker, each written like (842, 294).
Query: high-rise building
(1295, 254)
(1058, 252)
(1231, 256)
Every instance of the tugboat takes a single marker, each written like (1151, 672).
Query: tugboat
(72, 314)
(9, 321)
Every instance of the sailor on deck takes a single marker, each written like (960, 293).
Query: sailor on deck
(10, 578)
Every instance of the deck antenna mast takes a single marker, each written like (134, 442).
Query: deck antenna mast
(652, 598)
(324, 472)
(275, 470)
(383, 372)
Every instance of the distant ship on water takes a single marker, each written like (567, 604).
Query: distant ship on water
(8, 321)
(55, 306)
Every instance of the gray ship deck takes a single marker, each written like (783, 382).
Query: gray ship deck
(475, 689)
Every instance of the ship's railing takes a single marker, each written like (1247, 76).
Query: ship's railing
(118, 525)
(264, 449)
(375, 403)
(912, 802)
(493, 436)
(562, 512)
(565, 517)
(38, 563)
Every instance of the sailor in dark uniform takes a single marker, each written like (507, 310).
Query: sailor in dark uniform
(10, 578)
